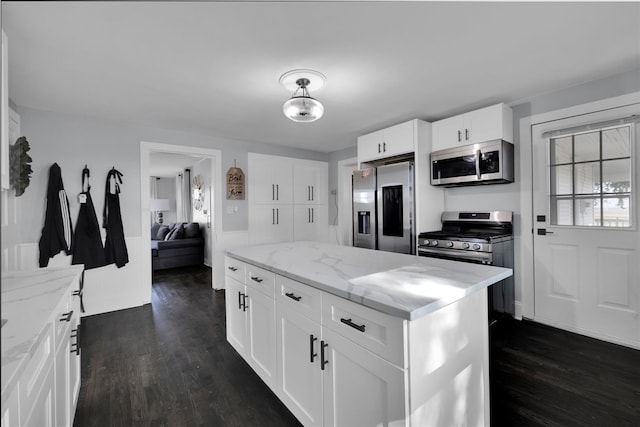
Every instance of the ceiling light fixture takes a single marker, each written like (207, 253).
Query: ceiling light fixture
(301, 107)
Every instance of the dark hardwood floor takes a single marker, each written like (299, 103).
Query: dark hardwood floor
(169, 364)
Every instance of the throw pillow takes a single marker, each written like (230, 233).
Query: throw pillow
(162, 232)
(154, 230)
(192, 230)
(177, 233)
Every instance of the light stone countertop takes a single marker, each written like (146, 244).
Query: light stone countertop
(405, 286)
(29, 299)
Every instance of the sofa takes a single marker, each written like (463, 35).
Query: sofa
(176, 245)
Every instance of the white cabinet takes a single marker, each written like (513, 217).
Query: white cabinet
(298, 358)
(278, 187)
(310, 182)
(11, 411)
(272, 179)
(271, 223)
(309, 221)
(485, 124)
(355, 379)
(389, 142)
(251, 325)
(67, 361)
(36, 386)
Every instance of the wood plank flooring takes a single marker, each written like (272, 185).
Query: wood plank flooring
(169, 364)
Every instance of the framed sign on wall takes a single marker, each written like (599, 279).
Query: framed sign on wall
(235, 183)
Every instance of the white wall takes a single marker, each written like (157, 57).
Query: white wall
(204, 216)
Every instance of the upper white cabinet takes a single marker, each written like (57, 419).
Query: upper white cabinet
(485, 124)
(287, 199)
(389, 142)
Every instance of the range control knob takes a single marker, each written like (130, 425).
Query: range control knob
(426, 242)
(476, 247)
(449, 244)
(434, 243)
(465, 246)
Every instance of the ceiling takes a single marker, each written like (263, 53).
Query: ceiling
(168, 165)
(213, 67)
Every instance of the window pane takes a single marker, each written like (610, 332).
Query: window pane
(560, 150)
(616, 176)
(587, 147)
(587, 212)
(561, 179)
(616, 143)
(561, 211)
(616, 212)
(587, 178)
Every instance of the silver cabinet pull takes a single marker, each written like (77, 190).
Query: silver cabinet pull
(466, 134)
(273, 192)
(384, 147)
(379, 148)
(459, 136)
(478, 154)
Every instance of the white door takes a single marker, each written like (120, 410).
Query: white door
(271, 223)
(271, 179)
(309, 182)
(360, 388)
(586, 238)
(261, 334)
(299, 374)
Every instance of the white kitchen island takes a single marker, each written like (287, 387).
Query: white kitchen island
(348, 336)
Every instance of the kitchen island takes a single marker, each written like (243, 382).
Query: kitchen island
(348, 336)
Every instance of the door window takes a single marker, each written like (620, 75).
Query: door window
(590, 177)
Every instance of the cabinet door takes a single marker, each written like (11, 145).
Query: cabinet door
(299, 373)
(10, 411)
(489, 123)
(74, 362)
(236, 318)
(40, 410)
(261, 335)
(62, 389)
(370, 146)
(354, 379)
(271, 179)
(310, 182)
(4, 111)
(398, 140)
(310, 222)
(448, 133)
(271, 224)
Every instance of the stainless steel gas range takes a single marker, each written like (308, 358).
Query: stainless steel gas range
(479, 237)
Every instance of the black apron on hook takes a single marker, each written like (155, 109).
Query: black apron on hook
(115, 248)
(87, 242)
(57, 231)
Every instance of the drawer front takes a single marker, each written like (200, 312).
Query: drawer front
(380, 333)
(261, 280)
(235, 269)
(300, 297)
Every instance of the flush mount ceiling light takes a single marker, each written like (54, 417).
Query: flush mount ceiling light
(301, 107)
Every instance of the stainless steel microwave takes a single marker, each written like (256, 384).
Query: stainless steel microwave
(488, 162)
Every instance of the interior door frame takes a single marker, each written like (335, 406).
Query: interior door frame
(344, 198)
(525, 273)
(146, 148)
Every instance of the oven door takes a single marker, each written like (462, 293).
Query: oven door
(489, 162)
(456, 255)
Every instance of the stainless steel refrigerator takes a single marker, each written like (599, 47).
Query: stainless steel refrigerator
(383, 208)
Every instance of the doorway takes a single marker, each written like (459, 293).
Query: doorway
(214, 166)
(586, 238)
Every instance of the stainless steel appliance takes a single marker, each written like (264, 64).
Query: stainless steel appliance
(480, 237)
(383, 208)
(489, 162)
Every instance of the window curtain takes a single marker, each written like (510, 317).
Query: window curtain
(183, 196)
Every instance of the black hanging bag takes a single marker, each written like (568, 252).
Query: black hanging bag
(87, 242)
(115, 247)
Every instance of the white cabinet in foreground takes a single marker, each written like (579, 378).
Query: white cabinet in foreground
(339, 363)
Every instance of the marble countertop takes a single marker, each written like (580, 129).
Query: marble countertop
(404, 286)
(29, 299)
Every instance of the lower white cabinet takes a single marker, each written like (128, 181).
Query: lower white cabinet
(251, 327)
(360, 388)
(309, 222)
(334, 362)
(299, 371)
(271, 223)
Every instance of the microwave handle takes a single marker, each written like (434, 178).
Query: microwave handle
(478, 154)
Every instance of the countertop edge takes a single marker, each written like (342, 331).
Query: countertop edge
(375, 305)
